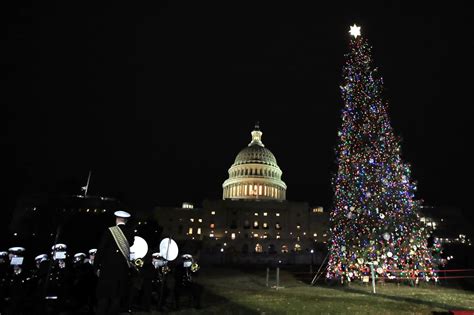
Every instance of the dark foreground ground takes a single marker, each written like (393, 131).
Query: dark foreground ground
(244, 291)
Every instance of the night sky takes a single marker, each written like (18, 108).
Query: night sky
(157, 99)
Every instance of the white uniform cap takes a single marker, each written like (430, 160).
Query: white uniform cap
(59, 246)
(93, 251)
(156, 255)
(122, 214)
(79, 255)
(187, 256)
(2, 254)
(16, 249)
(39, 257)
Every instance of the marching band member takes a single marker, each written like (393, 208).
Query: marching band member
(162, 281)
(36, 282)
(92, 301)
(140, 294)
(58, 286)
(185, 285)
(92, 255)
(82, 282)
(16, 282)
(4, 261)
(79, 258)
(38, 273)
(112, 265)
(4, 264)
(40, 260)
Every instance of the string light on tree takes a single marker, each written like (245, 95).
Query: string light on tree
(374, 221)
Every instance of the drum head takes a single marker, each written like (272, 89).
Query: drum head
(139, 248)
(168, 249)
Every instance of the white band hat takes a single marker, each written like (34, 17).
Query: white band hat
(122, 214)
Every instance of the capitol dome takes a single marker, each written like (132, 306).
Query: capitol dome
(255, 173)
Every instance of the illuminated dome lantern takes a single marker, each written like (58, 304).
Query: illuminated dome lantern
(255, 173)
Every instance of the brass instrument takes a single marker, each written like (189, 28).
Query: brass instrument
(165, 269)
(138, 262)
(194, 267)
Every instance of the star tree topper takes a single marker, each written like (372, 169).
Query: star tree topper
(355, 31)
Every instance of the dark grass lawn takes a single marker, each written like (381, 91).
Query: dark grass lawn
(244, 291)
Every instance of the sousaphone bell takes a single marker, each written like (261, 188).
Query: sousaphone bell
(169, 251)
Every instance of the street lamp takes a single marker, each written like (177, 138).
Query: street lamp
(312, 261)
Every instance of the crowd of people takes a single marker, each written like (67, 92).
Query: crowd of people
(104, 281)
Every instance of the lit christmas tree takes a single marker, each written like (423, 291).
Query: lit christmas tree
(375, 215)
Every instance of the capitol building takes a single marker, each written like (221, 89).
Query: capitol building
(255, 174)
(254, 221)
